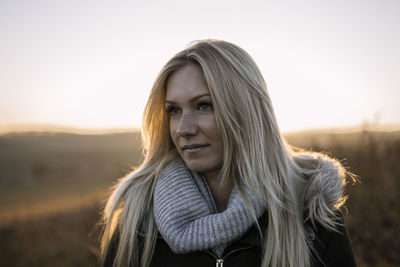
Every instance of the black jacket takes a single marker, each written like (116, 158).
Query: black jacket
(330, 249)
(322, 193)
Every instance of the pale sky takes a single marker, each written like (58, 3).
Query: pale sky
(91, 64)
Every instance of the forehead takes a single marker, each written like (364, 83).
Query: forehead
(188, 81)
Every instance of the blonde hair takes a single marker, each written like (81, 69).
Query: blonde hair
(255, 154)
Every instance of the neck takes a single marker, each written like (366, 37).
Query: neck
(220, 192)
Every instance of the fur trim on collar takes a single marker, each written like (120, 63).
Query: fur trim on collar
(323, 193)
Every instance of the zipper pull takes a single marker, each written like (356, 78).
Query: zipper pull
(220, 263)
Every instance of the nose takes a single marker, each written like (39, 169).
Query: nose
(187, 126)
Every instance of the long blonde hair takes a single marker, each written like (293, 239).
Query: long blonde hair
(254, 150)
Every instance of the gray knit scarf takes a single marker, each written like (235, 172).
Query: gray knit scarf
(187, 217)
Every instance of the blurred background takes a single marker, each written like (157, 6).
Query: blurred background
(75, 77)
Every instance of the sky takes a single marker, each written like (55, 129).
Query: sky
(91, 64)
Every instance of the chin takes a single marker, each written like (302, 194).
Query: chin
(202, 165)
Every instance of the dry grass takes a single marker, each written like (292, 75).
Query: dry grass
(51, 186)
(64, 239)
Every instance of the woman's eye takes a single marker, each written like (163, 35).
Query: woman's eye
(172, 111)
(205, 107)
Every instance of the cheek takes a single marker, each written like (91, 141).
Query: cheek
(216, 136)
(172, 132)
(211, 128)
(218, 141)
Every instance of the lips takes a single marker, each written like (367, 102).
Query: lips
(193, 147)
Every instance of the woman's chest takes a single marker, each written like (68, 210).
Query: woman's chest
(236, 255)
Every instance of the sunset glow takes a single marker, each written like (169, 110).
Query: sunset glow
(91, 64)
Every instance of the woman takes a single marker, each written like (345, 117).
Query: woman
(218, 184)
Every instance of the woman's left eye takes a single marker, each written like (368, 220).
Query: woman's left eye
(205, 107)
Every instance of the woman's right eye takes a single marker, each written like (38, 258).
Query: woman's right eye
(172, 110)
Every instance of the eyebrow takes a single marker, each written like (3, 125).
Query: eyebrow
(191, 100)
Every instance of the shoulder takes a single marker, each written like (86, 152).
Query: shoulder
(322, 197)
(111, 250)
(330, 247)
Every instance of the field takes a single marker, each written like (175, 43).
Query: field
(53, 186)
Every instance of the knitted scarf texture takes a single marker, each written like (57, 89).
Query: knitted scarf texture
(187, 217)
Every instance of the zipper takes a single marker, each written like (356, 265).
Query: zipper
(220, 261)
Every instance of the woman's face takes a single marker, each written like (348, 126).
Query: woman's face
(192, 124)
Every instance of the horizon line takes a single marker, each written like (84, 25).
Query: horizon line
(54, 128)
